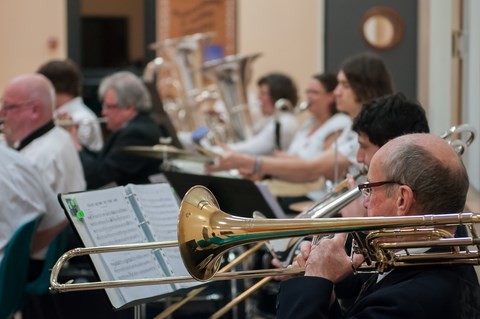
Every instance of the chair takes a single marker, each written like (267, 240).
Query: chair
(14, 269)
(57, 247)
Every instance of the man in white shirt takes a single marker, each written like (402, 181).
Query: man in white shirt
(27, 111)
(24, 197)
(65, 77)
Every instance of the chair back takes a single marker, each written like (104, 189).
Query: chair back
(57, 247)
(14, 269)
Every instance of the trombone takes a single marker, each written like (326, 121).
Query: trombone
(205, 233)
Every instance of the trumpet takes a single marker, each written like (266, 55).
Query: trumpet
(205, 233)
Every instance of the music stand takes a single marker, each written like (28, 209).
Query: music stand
(239, 197)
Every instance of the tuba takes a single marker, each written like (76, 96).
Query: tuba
(231, 75)
(179, 65)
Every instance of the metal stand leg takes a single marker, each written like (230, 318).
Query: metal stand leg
(140, 311)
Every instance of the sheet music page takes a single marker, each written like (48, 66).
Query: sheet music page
(108, 219)
(160, 208)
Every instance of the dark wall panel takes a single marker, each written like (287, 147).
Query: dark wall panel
(343, 38)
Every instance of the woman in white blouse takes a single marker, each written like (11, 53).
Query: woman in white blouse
(321, 129)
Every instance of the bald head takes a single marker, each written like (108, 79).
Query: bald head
(28, 103)
(430, 167)
(33, 87)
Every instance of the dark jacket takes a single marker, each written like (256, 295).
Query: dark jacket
(113, 165)
(420, 292)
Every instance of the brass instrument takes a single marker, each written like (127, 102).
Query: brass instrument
(459, 144)
(179, 64)
(205, 233)
(246, 230)
(231, 76)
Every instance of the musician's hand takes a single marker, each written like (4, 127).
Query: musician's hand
(232, 160)
(298, 262)
(329, 259)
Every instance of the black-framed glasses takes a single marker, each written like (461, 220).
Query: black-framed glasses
(366, 188)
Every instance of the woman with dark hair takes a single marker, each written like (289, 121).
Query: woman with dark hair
(360, 79)
(325, 123)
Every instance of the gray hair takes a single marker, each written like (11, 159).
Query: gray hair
(438, 188)
(129, 88)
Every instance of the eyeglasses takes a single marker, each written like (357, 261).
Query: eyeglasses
(366, 188)
(8, 107)
(106, 106)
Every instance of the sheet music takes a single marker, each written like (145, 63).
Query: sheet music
(108, 219)
(160, 209)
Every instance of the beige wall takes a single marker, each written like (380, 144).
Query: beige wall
(26, 28)
(288, 33)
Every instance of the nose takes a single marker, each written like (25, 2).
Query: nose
(337, 90)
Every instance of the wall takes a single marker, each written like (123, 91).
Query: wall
(288, 33)
(343, 39)
(25, 30)
(471, 88)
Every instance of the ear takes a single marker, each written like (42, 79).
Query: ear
(405, 200)
(36, 110)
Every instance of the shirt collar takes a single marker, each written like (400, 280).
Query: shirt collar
(35, 134)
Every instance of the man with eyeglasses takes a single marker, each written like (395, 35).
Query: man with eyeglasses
(380, 121)
(27, 111)
(126, 106)
(411, 175)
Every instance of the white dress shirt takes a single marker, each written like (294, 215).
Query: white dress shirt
(24, 196)
(307, 145)
(54, 154)
(264, 142)
(89, 132)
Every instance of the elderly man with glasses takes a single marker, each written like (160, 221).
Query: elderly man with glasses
(411, 175)
(126, 106)
(27, 111)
